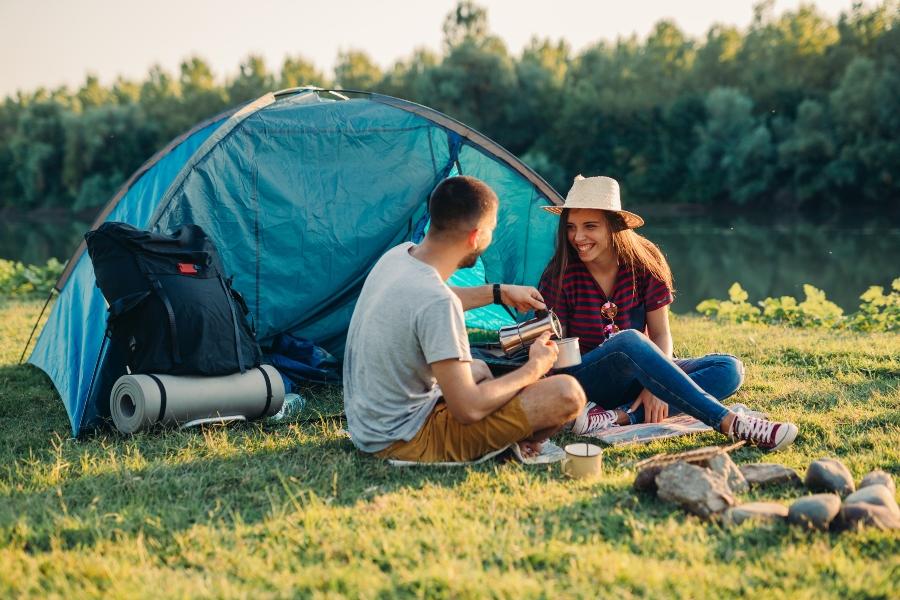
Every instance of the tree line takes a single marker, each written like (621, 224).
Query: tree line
(797, 110)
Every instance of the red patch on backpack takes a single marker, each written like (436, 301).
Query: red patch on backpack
(187, 269)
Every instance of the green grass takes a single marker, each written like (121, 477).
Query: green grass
(293, 510)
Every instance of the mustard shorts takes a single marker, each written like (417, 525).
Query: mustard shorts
(444, 439)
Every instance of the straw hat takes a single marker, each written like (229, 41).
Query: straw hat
(597, 192)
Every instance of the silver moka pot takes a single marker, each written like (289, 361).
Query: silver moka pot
(514, 338)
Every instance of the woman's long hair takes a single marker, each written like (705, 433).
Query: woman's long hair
(640, 254)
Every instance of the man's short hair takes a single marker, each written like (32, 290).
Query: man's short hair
(458, 203)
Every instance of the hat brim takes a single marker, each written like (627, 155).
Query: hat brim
(632, 220)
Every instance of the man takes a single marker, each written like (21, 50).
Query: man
(411, 389)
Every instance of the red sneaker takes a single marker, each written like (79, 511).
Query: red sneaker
(768, 435)
(593, 419)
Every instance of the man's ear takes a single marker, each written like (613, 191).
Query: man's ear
(472, 238)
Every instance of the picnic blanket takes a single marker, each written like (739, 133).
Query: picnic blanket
(647, 432)
(678, 425)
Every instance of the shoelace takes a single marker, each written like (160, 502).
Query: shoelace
(600, 419)
(754, 429)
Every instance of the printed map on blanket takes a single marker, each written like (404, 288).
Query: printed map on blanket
(646, 432)
(642, 433)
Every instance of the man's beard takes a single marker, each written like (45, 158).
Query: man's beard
(469, 261)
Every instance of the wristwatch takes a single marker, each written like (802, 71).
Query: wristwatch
(497, 298)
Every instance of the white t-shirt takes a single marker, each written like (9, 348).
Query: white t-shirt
(405, 319)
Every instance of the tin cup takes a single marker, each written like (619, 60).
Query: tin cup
(569, 353)
(583, 461)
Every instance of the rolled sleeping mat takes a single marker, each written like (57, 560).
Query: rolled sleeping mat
(140, 401)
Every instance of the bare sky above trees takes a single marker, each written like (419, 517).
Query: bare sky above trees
(51, 43)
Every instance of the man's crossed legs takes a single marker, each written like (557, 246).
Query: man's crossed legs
(533, 415)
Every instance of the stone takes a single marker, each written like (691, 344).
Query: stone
(878, 477)
(816, 511)
(829, 475)
(724, 466)
(766, 512)
(862, 514)
(878, 495)
(763, 474)
(645, 481)
(697, 490)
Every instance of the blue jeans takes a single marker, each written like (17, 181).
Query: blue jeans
(614, 373)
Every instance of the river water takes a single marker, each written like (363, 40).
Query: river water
(770, 255)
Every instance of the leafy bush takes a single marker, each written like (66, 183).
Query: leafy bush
(17, 279)
(878, 311)
(815, 311)
(735, 310)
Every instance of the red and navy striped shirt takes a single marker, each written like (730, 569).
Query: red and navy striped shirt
(578, 306)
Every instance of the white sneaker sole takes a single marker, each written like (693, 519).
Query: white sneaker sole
(788, 439)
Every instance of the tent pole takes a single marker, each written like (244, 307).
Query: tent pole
(33, 329)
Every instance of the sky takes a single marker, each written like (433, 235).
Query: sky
(50, 43)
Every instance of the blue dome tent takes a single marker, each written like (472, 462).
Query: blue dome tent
(302, 191)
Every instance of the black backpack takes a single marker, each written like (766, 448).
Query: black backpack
(171, 308)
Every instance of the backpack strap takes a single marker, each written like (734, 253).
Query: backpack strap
(242, 303)
(173, 327)
(268, 391)
(162, 397)
(234, 321)
(123, 305)
(158, 289)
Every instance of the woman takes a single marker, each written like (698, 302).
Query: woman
(608, 285)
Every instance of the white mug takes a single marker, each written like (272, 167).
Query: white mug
(582, 461)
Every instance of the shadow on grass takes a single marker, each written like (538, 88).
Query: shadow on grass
(160, 483)
(31, 411)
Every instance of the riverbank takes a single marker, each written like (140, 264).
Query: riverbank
(293, 510)
(770, 254)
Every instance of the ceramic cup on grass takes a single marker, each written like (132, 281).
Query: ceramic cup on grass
(582, 461)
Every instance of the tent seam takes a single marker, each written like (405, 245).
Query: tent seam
(256, 232)
(214, 140)
(495, 150)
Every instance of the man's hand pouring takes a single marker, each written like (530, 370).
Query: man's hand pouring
(522, 297)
